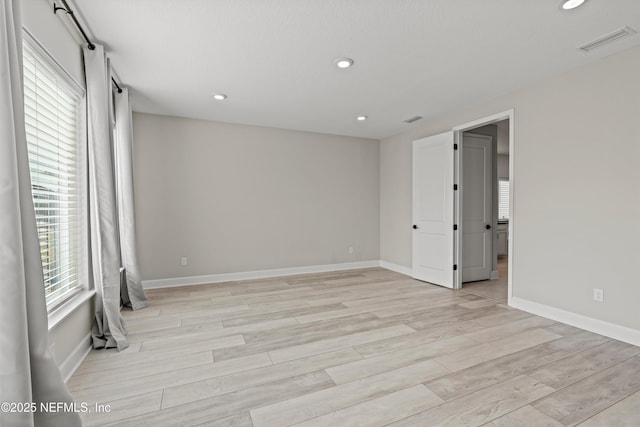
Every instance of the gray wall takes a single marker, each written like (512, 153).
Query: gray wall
(49, 30)
(235, 198)
(576, 179)
(503, 166)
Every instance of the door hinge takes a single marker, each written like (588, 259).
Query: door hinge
(455, 266)
(455, 227)
(455, 187)
(455, 146)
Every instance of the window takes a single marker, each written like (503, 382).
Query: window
(503, 200)
(51, 119)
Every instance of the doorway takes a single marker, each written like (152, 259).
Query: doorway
(499, 228)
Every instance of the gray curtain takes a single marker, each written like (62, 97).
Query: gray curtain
(28, 371)
(108, 329)
(132, 293)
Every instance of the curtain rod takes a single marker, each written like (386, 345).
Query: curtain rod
(90, 45)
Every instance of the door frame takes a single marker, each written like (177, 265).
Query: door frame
(457, 204)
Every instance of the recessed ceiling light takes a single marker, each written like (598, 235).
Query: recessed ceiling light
(219, 96)
(361, 118)
(344, 62)
(572, 4)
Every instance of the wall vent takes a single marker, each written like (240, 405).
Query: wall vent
(607, 39)
(413, 119)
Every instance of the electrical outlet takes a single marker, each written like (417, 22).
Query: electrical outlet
(184, 261)
(350, 249)
(598, 295)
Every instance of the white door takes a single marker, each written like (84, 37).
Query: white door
(477, 213)
(433, 209)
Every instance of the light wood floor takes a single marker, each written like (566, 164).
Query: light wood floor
(358, 348)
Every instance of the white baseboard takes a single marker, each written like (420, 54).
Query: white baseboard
(259, 274)
(495, 275)
(611, 330)
(73, 361)
(397, 268)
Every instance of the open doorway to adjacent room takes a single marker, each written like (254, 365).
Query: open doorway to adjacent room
(485, 210)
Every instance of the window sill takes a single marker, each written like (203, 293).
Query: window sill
(66, 309)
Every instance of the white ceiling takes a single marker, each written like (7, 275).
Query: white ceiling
(275, 58)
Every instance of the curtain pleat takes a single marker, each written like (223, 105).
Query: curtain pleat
(28, 370)
(109, 328)
(132, 291)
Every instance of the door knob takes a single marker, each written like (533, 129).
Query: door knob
(488, 227)
(415, 227)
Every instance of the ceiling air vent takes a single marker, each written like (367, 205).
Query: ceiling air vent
(413, 119)
(606, 39)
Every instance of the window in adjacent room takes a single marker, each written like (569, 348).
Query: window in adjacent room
(52, 110)
(503, 200)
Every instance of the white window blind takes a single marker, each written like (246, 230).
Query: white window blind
(503, 199)
(51, 118)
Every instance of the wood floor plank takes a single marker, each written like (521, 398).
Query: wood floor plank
(189, 340)
(242, 419)
(322, 402)
(281, 314)
(184, 329)
(131, 387)
(214, 341)
(478, 303)
(296, 334)
(625, 413)
(380, 411)
(138, 370)
(403, 342)
(524, 417)
(331, 344)
(337, 295)
(237, 308)
(438, 333)
(198, 304)
(443, 316)
(196, 390)
(505, 316)
(586, 363)
(481, 406)
(314, 331)
(396, 359)
(221, 338)
(126, 359)
(400, 297)
(225, 405)
(335, 314)
(281, 304)
(512, 328)
(481, 353)
(582, 400)
(122, 409)
(420, 306)
(503, 368)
